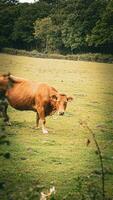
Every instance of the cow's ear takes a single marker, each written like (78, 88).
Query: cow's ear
(54, 97)
(7, 75)
(69, 99)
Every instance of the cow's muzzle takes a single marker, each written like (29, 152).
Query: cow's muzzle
(61, 113)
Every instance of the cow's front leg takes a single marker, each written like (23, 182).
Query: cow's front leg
(41, 114)
(44, 129)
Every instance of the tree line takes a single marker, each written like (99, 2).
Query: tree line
(59, 26)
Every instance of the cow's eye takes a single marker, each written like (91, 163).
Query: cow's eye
(65, 103)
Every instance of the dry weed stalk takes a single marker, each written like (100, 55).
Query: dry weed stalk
(85, 125)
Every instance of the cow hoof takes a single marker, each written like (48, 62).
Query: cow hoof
(45, 131)
(36, 127)
(8, 123)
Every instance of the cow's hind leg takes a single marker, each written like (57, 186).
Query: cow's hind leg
(5, 115)
(37, 120)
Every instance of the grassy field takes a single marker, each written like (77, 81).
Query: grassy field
(60, 158)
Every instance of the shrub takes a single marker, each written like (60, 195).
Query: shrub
(106, 58)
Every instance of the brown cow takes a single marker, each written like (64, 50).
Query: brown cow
(23, 94)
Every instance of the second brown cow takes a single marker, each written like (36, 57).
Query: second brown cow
(23, 94)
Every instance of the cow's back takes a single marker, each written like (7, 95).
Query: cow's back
(24, 95)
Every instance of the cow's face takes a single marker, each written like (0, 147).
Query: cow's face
(4, 80)
(60, 102)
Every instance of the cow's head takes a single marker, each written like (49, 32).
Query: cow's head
(4, 81)
(60, 102)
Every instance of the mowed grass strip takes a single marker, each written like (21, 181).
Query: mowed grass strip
(38, 161)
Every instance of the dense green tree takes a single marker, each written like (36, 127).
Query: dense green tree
(49, 1)
(79, 23)
(9, 1)
(8, 16)
(67, 26)
(22, 34)
(47, 35)
(24, 26)
(102, 34)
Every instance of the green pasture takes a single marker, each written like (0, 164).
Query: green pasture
(37, 161)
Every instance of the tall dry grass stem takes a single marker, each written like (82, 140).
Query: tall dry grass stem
(85, 125)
